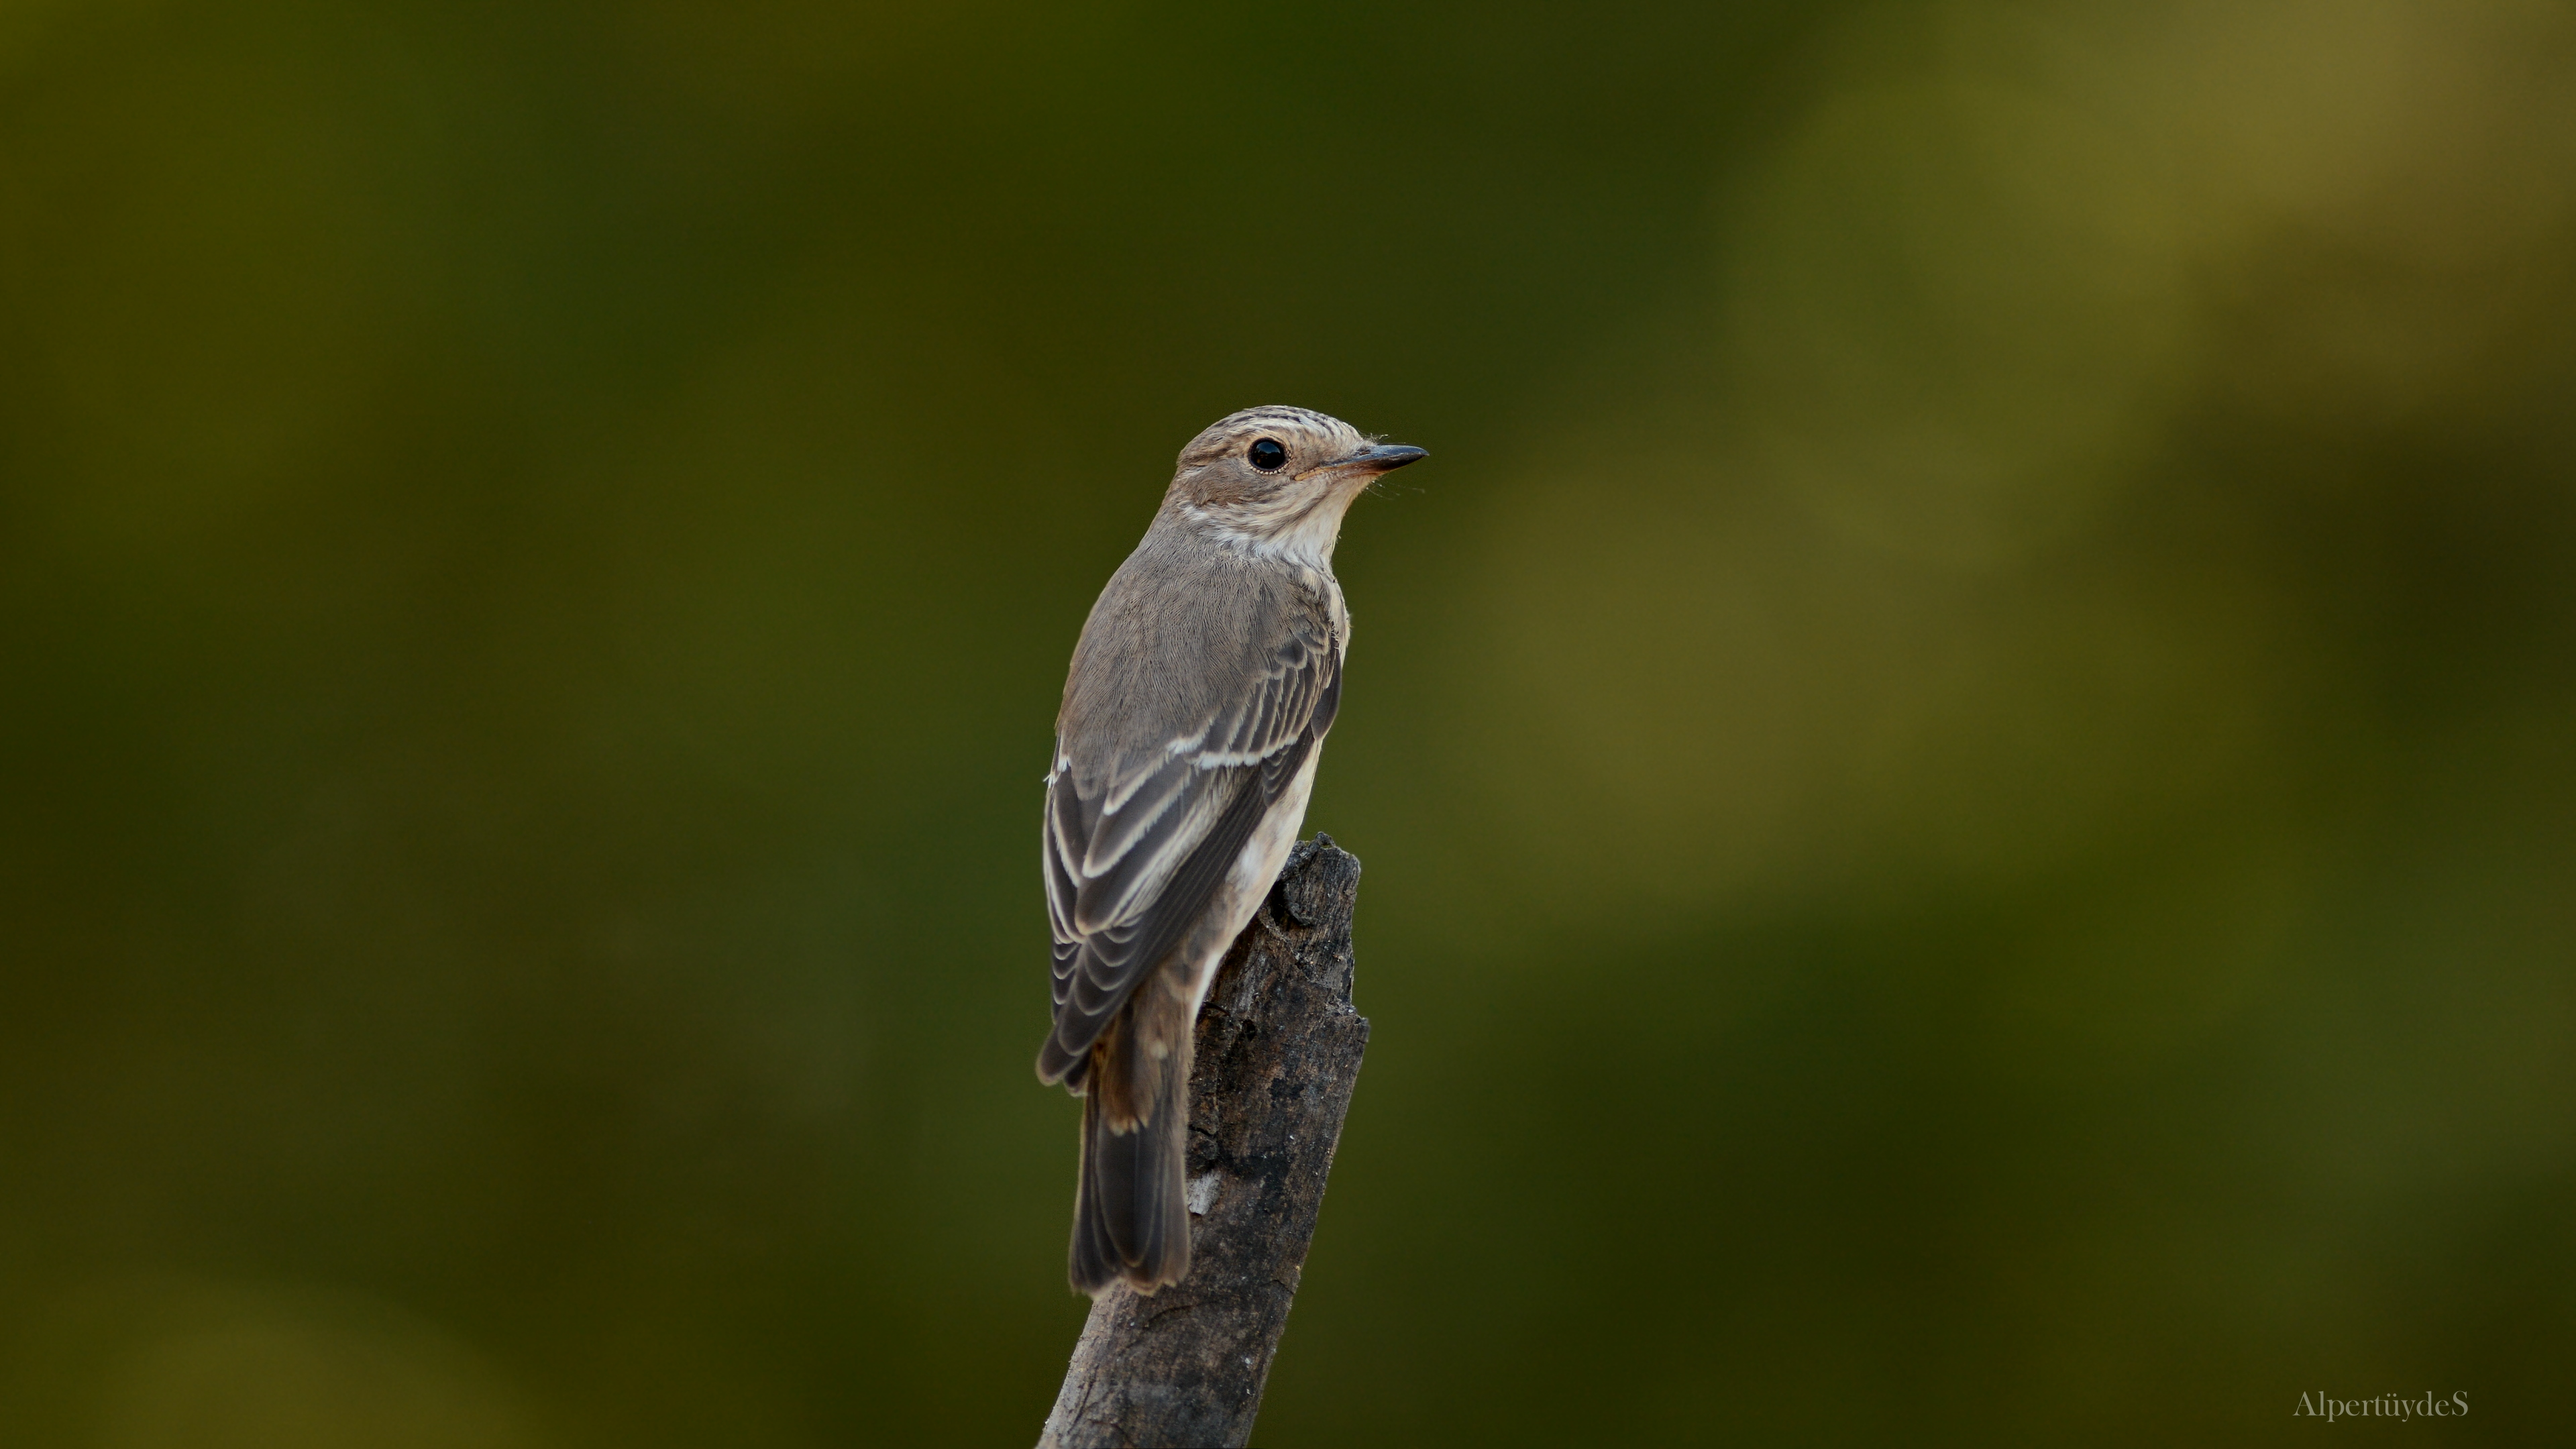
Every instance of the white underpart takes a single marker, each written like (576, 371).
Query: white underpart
(1309, 540)
(1255, 871)
(1279, 531)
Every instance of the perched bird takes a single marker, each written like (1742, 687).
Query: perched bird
(1194, 714)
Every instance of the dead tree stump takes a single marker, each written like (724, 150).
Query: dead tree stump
(1278, 1051)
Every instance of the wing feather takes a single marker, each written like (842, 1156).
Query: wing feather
(1134, 855)
(1117, 884)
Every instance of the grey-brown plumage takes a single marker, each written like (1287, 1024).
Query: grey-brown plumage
(1200, 694)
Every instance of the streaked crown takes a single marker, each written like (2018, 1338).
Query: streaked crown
(1220, 465)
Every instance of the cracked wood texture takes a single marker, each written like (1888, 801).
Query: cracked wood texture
(1277, 1053)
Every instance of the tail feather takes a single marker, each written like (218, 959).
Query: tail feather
(1131, 1217)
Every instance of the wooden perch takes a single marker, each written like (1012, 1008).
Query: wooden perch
(1278, 1051)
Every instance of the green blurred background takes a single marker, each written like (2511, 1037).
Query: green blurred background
(1966, 753)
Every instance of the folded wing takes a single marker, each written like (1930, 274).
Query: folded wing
(1137, 845)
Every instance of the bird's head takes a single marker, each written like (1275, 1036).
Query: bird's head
(1277, 479)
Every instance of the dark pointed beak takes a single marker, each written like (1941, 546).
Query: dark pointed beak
(1382, 457)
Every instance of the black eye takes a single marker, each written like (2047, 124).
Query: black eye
(1266, 454)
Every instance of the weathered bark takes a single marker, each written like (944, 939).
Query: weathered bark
(1278, 1051)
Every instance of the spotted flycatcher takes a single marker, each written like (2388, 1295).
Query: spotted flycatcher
(1206, 678)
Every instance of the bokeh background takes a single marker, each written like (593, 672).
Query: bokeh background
(1963, 754)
